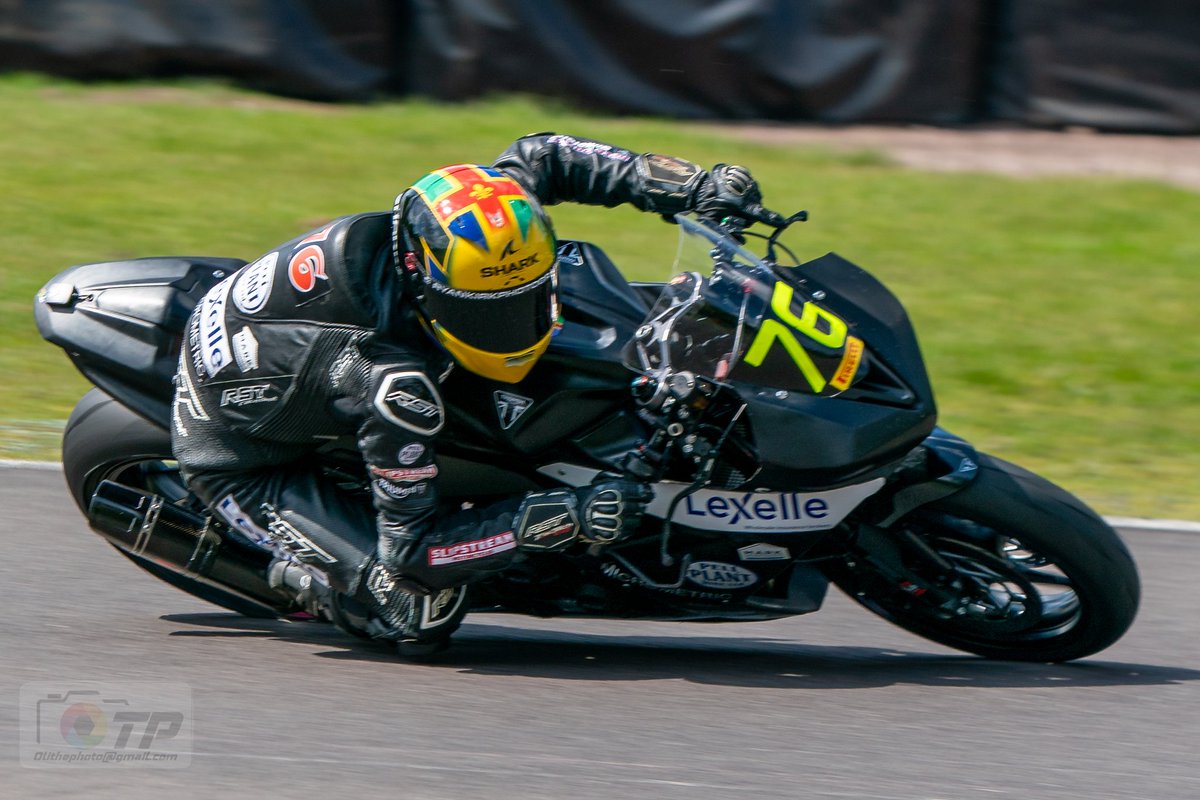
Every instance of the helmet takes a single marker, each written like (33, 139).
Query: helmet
(481, 254)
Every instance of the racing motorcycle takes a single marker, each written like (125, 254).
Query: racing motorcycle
(781, 410)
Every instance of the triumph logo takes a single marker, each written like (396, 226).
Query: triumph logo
(510, 407)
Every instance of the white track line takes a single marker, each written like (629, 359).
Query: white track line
(1131, 523)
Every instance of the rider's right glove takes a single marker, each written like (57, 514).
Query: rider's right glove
(611, 509)
(731, 193)
(606, 511)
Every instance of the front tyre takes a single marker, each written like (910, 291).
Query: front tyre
(1040, 576)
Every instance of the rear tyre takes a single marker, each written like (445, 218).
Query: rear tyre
(1043, 578)
(104, 440)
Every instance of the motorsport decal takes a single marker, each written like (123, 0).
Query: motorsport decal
(406, 474)
(763, 552)
(408, 399)
(214, 336)
(587, 148)
(469, 551)
(438, 609)
(238, 519)
(249, 394)
(718, 575)
(668, 169)
(570, 254)
(814, 323)
(547, 526)
(777, 512)
(306, 269)
(288, 537)
(253, 286)
(187, 400)
(400, 492)
(507, 268)
(740, 512)
(410, 453)
(510, 407)
(614, 572)
(245, 349)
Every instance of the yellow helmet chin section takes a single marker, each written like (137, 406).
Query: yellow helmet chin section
(495, 239)
(504, 367)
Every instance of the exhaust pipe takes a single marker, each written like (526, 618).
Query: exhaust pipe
(183, 541)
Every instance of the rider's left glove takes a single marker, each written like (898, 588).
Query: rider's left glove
(730, 195)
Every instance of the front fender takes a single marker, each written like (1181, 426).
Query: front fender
(952, 463)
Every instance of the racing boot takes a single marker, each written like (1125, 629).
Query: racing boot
(420, 622)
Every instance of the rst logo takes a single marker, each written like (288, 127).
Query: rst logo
(248, 395)
(780, 512)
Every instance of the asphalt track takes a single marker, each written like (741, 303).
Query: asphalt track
(834, 705)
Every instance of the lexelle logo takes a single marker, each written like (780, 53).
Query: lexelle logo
(781, 512)
(752, 506)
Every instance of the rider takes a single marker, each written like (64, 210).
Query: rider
(351, 328)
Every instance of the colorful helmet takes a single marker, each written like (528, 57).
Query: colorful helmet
(483, 251)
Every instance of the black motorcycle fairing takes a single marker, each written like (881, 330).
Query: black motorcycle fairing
(877, 317)
(121, 322)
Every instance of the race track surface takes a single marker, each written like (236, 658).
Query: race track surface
(834, 705)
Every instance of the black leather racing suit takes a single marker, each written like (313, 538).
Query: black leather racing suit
(316, 339)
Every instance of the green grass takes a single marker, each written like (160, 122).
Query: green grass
(1058, 316)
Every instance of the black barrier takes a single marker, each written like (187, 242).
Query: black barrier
(306, 48)
(1110, 64)
(836, 61)
(1101, 63)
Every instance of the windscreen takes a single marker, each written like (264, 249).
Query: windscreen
(728, 316)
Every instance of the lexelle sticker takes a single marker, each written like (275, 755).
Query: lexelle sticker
(756, 512)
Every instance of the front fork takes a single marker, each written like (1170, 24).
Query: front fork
(900, 556)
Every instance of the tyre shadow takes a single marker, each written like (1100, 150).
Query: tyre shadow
(759, 662)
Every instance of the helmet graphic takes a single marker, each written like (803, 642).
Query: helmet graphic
(484, 252)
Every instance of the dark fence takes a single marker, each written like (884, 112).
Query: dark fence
(1100, 63)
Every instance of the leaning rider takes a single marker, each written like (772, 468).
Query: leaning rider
(351, 328)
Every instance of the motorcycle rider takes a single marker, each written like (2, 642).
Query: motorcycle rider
(351, 328)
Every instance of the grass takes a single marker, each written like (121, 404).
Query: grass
(1057, 315)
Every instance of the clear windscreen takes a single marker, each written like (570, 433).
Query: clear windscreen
(720, 292)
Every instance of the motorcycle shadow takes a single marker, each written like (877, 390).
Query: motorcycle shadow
(737, 661)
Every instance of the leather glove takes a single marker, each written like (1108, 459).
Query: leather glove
(611, 509)
(730, 192)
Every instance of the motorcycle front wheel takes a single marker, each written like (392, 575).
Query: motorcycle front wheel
(1040, 576)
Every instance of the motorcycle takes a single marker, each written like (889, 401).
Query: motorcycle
(781, 411)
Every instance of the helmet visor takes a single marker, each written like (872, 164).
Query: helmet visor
(495, 322)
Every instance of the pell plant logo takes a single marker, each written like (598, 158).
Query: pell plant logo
(85, 723)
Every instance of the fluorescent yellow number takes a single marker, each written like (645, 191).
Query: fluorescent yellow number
(808, 323)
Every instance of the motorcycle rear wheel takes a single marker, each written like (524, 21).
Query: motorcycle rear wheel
(104, 440)
(1044, 578)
